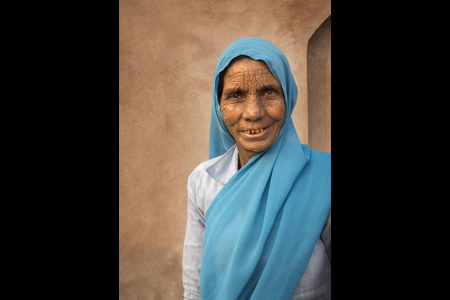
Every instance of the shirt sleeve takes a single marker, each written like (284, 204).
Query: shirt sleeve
(326, 235)
(193, 247)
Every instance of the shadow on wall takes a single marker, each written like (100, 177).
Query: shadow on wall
(319, 88)
(149, 272)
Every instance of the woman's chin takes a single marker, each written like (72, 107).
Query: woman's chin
(253, 148)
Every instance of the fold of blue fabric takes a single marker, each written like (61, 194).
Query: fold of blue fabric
(262, 227)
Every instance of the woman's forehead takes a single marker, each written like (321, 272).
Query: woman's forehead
(249, 71)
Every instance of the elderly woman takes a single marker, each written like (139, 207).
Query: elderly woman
(259, 211)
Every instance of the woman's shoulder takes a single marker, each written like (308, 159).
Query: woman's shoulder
(199, 176)
(320, 156)
(202, 187)
(320, 161)
(205, 165)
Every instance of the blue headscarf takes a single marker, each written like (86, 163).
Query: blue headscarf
(262, 227)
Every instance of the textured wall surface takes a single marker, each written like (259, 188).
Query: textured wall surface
(167, 55)
(319, 88)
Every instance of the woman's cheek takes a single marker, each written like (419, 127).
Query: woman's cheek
(229, 114)
(279, 111)
(276, 113)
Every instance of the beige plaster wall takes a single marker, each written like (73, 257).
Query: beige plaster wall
(167, 55)
(319, 88)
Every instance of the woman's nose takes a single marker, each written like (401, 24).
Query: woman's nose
(254, 110)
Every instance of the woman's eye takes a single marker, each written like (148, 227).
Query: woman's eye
(233, 96)
(269, 92)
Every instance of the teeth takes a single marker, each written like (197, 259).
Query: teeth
(253, 131)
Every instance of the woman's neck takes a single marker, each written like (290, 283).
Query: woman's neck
(243, 159)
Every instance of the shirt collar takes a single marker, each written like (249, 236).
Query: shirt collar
(225, 167)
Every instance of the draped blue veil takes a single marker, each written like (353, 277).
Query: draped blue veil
(262, 227)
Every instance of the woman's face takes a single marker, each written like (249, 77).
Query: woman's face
(252, 105)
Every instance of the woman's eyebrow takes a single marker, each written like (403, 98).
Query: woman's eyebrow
(238, 89)
(234, 90)
(269, 86)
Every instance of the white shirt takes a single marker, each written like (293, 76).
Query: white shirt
(204, 184)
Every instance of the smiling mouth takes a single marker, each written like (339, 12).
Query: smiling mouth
(255, 131)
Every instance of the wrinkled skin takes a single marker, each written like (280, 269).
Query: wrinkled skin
(252, 98)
